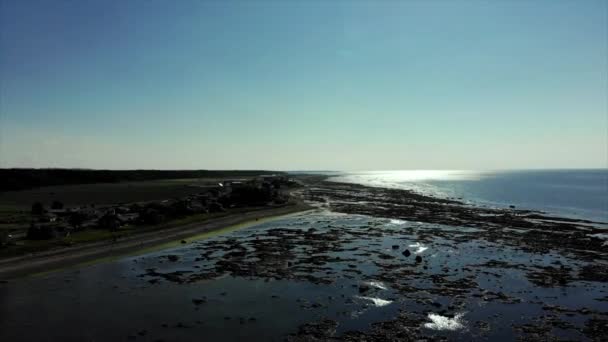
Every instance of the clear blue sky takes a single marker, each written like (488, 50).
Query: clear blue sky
(292, 85)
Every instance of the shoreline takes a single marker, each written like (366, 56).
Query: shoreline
(469, 196)
(414, 259)
(509, 226)
(54, 260)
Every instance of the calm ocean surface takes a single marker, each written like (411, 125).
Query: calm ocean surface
(572, 193)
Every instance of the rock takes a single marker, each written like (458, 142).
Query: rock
(418, 258)
(197, 301)
(364, 288)
(318, 331)
(395, 246)
(184, 241)
(173, 257)
(406, 253)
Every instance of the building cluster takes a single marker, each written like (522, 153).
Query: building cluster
(57, 221)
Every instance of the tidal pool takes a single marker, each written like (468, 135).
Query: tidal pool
(266, 281)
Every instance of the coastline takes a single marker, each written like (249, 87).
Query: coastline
(572, 193)
(53, 260)
(414, 259)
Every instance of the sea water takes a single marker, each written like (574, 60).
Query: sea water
(572, 193)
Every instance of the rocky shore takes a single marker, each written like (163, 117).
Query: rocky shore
(531, 230)
(476, 253)
(374, 264)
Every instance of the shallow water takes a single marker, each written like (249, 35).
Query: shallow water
(115, 300)
(573, 193)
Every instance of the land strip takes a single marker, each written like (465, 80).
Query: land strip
(63, 257)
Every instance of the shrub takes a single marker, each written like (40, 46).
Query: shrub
(37, 208)
(38, 232)
(57, 205)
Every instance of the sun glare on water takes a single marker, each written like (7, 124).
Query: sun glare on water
(417, 180)
(421, 175)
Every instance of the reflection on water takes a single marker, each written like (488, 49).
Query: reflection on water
(379, 302)
(416, 180)
(398, 176)
(439, 322)
(419, 247)
(377, 284)
(397, 222)
(575, 193)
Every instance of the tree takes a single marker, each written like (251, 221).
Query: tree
(57, 205)
(40, 232)
(37, 208)
(76, 220)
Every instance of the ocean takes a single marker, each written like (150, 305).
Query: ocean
(572, 193)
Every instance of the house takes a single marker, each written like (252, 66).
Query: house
(47, 217)
(109, 222)
(60, 212)
(4, 237)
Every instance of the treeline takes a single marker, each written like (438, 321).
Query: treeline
(21, 179)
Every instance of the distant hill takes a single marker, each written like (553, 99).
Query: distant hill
(21, 179)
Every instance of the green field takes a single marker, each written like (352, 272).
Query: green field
(105, 193)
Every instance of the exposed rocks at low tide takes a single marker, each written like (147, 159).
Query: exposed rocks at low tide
(530, 230)
(386, 275)
(429, 268)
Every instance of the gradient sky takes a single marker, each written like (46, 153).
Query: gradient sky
(341, 85)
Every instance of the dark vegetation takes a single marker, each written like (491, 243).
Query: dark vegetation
(21, 179)
(56, 221)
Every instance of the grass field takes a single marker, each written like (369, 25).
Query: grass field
(14, 217)
(105, 193)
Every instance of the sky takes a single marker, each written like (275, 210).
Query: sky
(304, 85)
